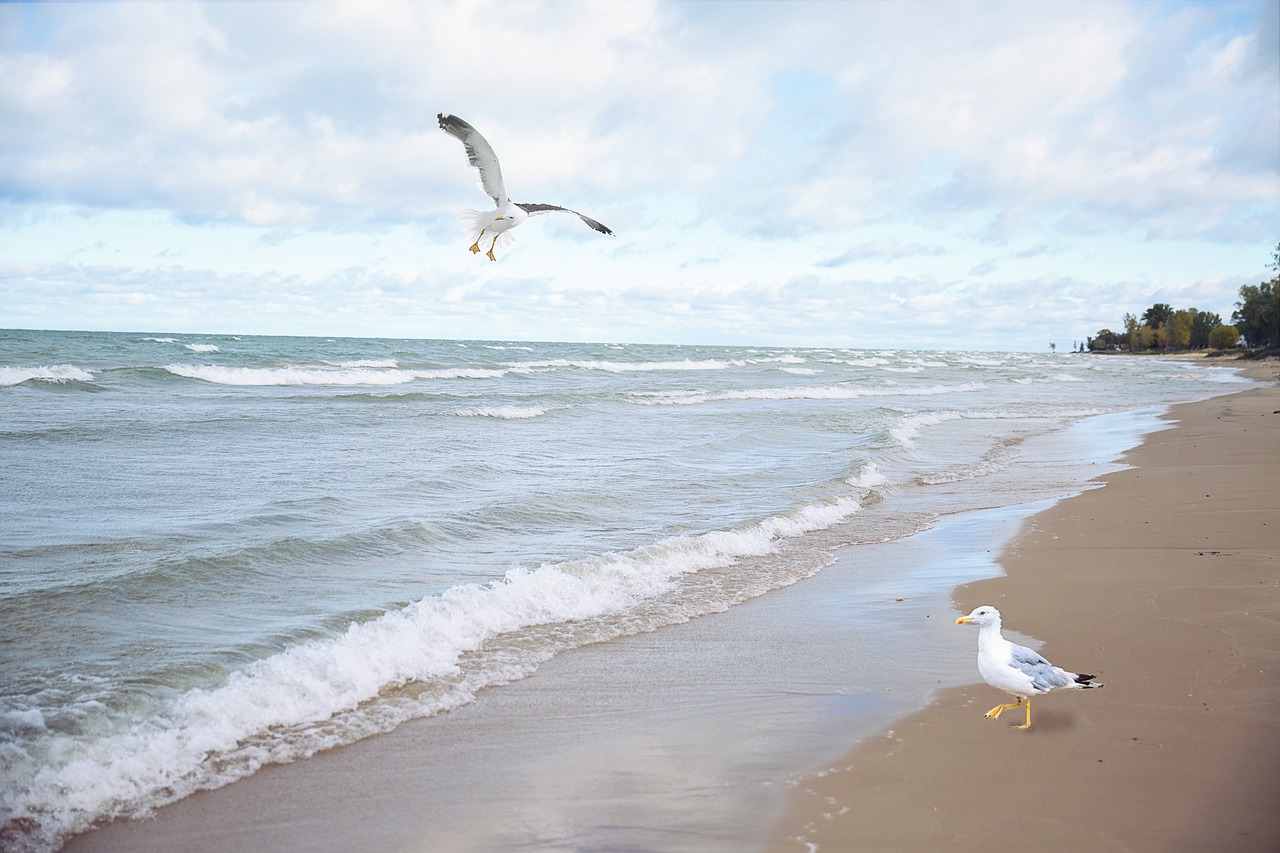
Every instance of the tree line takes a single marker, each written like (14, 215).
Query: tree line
(1255, 323)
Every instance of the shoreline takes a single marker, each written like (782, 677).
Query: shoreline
(1164, 583)
(689, 738)
(682, 739)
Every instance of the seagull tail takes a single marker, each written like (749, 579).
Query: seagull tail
(1087, 681)
(474, 222)
(471, 223)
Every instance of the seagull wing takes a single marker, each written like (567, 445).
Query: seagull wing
(1044, 675)
(479, 154)
(533, 209)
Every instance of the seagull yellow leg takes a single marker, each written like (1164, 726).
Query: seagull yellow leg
(995, 712)
(475, 247)
(1026, 725)
(491, 245)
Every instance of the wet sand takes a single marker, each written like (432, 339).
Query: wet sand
(1164, 584)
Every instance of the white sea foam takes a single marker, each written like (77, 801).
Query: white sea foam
(366, 362)
(870, 361)
(815, 392)
(162, 340)
(503, 412)
(868, 477)
(204, 347)
(320, 375)
(48, 373)
(300, 700)
(908, 430)
(626, 366)
(788, 358)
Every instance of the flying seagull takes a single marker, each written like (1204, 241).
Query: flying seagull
(507, 214)
(1015, 669)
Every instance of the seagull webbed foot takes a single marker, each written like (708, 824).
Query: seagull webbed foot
(475, 248)
(995, 712)
(490, 254)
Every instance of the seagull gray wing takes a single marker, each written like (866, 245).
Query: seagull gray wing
(479, 154)
(1044, 675)
(534, 209)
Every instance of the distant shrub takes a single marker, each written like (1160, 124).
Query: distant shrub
(1224, 337)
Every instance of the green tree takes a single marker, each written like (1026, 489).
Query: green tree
(1224, 337)
(1204, 323)
(1157, 315)
(1179, 327)
(1105, 340)
(1257, 314)
(1131, 331)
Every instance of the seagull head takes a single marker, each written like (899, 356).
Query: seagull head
(983, 617)
(503, 218)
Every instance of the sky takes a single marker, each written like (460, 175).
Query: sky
(939, 175)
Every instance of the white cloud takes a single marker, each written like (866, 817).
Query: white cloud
(769, 168)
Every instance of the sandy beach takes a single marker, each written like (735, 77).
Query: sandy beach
(1163, 584)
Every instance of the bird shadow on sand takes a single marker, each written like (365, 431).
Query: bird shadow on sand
(1044, 721)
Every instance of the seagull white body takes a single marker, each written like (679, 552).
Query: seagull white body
(506, 214)
(1015, 669)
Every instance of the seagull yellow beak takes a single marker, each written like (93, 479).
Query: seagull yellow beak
(963, 620)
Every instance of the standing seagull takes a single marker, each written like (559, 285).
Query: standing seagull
(1015, 669)
(507, 214)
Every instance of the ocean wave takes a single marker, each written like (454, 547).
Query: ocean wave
(204, 347)
(1215, 375)
(1046, 379)
(312, 375)
(995, 459)
(868, 477)
(326, 692)
(56, 373)
(870, 361)
(787, 358)
(390, 397)
(626, 366)
(906, 431)
(817, 392)
(982, 361)
(365, 362)
(503, 412)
